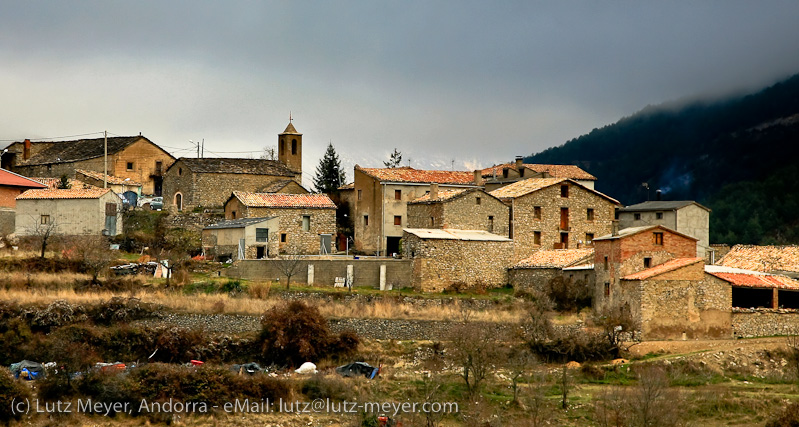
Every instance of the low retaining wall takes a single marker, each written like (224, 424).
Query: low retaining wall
(761, 322)
(366, 272)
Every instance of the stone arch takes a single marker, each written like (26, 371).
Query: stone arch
(179, 201)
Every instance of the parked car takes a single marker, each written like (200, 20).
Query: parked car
(154, 203)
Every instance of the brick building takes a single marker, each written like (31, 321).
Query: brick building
(307, 222)
(466, 258)
(466, 209)
(74, 211)
(686, 216)
(555, 213)
(244, 238)
(498, 176)
(381, 199)
(133, 157)
(632, 250)
(536, 271)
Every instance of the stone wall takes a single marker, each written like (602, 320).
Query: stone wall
(440, 263)
(366, 272)
(761, 322)
(524, 224)
(322, 221)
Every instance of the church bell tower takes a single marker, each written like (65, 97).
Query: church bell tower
(289, 148)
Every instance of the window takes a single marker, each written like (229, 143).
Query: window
(283, 237)
(537, 237)
(564, 191)
(607, 289)
(637, 217)
(306, 223)
(658, 238)
(397, 220)
(159, 165)
(589, 214)
(504, 173)
(293, 146)
(658, 215)
(232, 214)
(490, 223)
(360, 193)
(606, 263)
(589, 238)
(45, 219)
(180, 171)
(478, 200)
(537, 212)
(432, 221)
(647, 262)
(129, 166)
(397, 194)
(366, 220)
(261, 234)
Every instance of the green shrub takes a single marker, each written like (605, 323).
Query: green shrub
(10, 390)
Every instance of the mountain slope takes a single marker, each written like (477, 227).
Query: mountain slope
(739, 156)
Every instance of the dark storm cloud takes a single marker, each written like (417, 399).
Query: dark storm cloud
(477, 81)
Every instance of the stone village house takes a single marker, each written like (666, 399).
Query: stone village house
(687, 217)
(381, 199)
(536, 271)
(468, 209)
(133, 157)
(74, 211)
(207, 182)
(306, 222)
(445, 257)
(555, 213)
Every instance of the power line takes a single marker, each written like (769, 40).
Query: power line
(54, 137)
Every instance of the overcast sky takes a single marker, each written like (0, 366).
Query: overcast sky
(473, 82)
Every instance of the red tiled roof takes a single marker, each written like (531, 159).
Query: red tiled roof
(12, 179)
(758, 281)
(49, 182)
(555, 171)
(556, 258)
(527, 186)
(666, 267)
(282, 200)
(409, 174)
(111, 179)
(762, 258)
(71, 193)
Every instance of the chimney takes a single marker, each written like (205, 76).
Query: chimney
(614, 228)
(433, 191)
(658, 195)
(26, 152)
(478, 177)
(519, 162)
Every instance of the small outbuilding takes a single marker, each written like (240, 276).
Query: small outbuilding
(244, 238)
(74, 211)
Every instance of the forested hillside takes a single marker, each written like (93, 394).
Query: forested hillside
(738, 156)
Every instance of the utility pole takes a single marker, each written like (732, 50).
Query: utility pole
(202, 150)
(105, 159)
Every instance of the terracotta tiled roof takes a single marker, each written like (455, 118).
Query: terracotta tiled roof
(53, 183)
(666, 267)
(442, 196)
(408, 174)
(555, 171)
(350, 186)
(758, 281)
(762, 258)
(281, 200)
(49, 182)
(557, 258)
(527, 186)
(276, 186)
(72, 193)
(233, 165)
(629, 231)
(111, 179)
(12, 179)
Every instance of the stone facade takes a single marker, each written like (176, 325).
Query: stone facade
(472, 209)
(684, 303)
(563, 223)
(440, 263)
(619, 256)
(538, 278)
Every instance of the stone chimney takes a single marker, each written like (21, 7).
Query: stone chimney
(658, 195)
(614, 228)
(519, 162)
(26, 151)
(433, 191)
(478, 177)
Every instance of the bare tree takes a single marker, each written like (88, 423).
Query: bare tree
(475, 348)
(270, 153)
(520, 362)
(619, 327)
(290, 264)
(651, 402)
(42, 230)
(92, 251)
